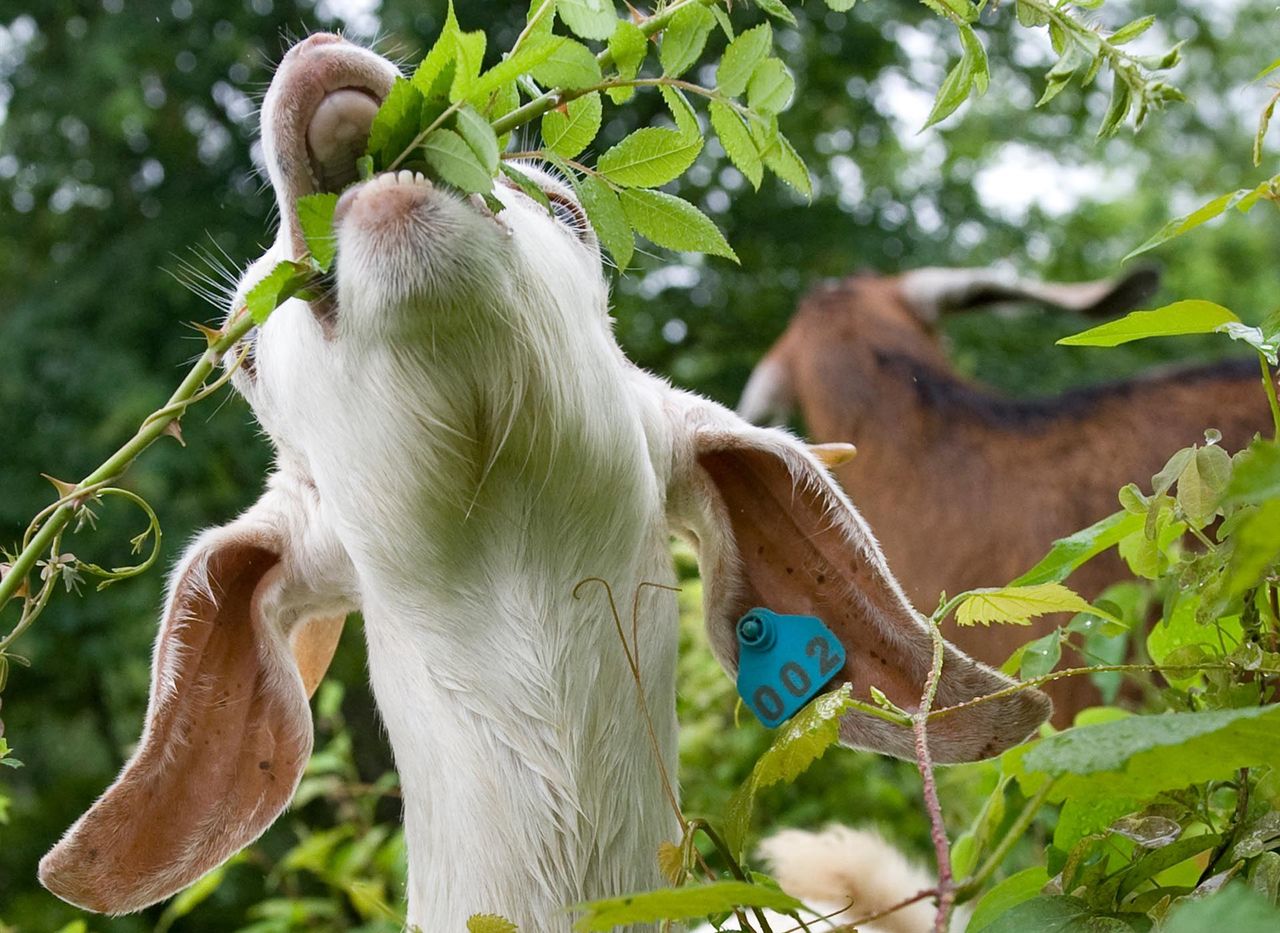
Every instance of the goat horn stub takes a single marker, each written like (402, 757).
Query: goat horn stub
(832, 455)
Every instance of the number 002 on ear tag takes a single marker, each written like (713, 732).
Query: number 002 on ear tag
(783, 661)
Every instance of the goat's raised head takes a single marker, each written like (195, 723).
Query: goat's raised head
(867, 319)
(460, 444)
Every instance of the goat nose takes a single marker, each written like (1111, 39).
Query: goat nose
(317, 39)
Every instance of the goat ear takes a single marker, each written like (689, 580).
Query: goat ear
(932, 292)
(773, 530)
(228, 728)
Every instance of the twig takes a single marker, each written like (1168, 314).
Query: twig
(937, 829)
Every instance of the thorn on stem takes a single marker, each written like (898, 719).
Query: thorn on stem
(174, 430)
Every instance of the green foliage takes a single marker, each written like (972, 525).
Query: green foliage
(681, 904)
(1018, 605)
(489, 923)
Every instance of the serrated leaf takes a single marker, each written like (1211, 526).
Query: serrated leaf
(1041, 656)
(440, 55)
(778, 10)
(649, 157)
(568, 133)
(1139, 756)
(797, 745)
(741, 57)
(1182, 317)
(468, 58)
(284, 281)
(770, 87)
(736, 140)
(954, 90)
(478, 134)
(978, 56)
(686, 903)
(609, 221)
(1131, 31)
(590, 19)
(1118, 108)
(674, 223)
(530, 55)
(490, 923)
(526, 184)
(315, 218)
(782, 159)
(452, 160)
(1200, 215)
(396, 122)
(1018, 605)
(569, 66)
(684, 39)
(1070, 552)
(627, 48)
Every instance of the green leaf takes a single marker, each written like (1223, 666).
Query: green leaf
(1047, 915)
(674, 223)
(741, 57)
(782, 159)
(1142, 755)
(1181, 317)
(737, 142)
(841, 6)
(1256, 475)
(797, 745)
(770, 87)
(1070, 552)
(682, 112)
(456, 163)
(1200, 215)
(607, 217)
(955, 88)
(529, 56)
(277, 286)
(684, 39)
(315, 218)
(438, 57)
(468, 58)
(1041, 656)
(568, 133)
(1006, 895)
(478, 134)
(1202, 483)
(590, 19)
(569, 66)
(1118, 108)
(526, 184)
(1235, 908)
(628, 48)
(1257, 545)
(687, 903)
(778, 10)
(963, 10)
(1018, 605)
(649, 157)
(490, 923)
(396, 123)
(1132, 30)
(974, 49)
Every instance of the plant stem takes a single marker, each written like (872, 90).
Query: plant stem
(152, 428)
(924, 761)
(975, 882)
(716, 840)
(1269, 384)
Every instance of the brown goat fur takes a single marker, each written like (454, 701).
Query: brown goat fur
(965, 487)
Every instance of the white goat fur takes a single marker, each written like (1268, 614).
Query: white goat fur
(458, 450)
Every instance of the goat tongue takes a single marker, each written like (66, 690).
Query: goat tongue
(337, 135)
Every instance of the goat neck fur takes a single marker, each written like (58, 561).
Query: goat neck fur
(461, 443)
(966, 488)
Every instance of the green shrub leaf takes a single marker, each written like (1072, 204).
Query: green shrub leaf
(396, 123)
(1242, 199)
(649, 157)
(1018, 605)
(737, 142)
(741, 58)
(1006, 895)
(479, 135)
(490, 923)
(568, 132)
(570, 65)
(681, 904)
(782, 159)
(1070, 552)
(315, 218)
(684, 40)
(674, 223)
(590, 19)
(770, 87)
(457, 163)
(607, 217)
(287, 279)
(1182, 317)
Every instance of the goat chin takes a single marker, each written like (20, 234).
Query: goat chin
(466, 457)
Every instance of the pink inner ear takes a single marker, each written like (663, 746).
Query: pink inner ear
(228, 734)
(799, 549)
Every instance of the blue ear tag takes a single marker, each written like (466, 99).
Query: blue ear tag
(783, 662)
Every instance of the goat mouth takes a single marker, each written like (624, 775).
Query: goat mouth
(337, 134)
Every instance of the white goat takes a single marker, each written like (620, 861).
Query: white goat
(461, 442)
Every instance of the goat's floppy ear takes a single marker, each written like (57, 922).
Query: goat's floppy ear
(241, 647)
(931, 292)
(773, 530)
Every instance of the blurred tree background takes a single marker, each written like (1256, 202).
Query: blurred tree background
(128, 158)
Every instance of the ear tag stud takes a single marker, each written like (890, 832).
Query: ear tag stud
(783, 662)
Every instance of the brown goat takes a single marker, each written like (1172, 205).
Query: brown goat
(965, 487)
